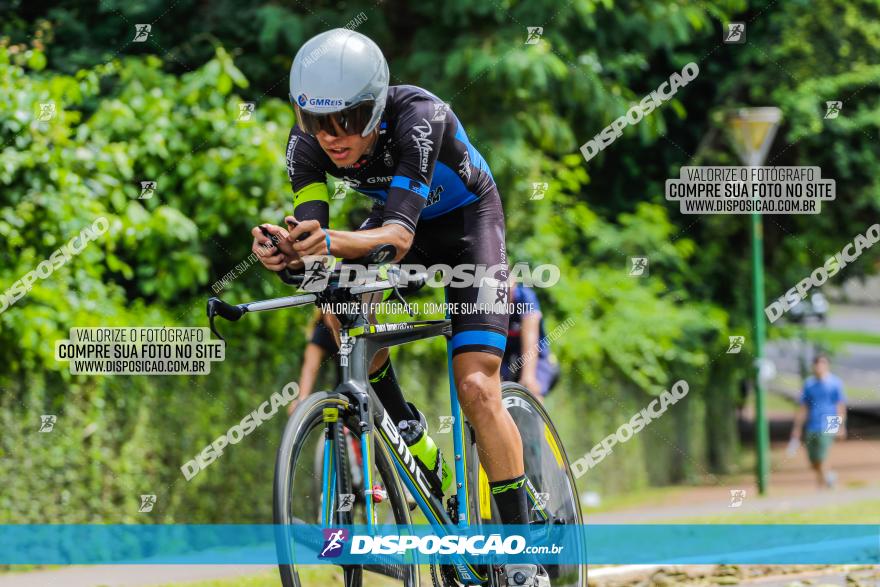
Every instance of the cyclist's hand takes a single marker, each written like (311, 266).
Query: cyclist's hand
(272, 257)
(314, 244)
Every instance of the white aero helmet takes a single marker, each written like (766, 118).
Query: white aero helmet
(339, 79)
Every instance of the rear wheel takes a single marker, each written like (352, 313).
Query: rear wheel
(299, 497)
(548, 469)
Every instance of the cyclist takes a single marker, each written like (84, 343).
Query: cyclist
(435, 200)
(527, 356)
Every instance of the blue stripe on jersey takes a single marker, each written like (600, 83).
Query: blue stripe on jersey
(412, 185)
(482, 337)
(375, 193)
(476, 159)
(454, 195)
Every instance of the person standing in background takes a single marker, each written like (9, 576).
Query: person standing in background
(823, 410)
(527, 358)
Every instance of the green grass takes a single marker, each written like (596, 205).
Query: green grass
(862, 393)
(858, 512)
(9, 569)
(776, 402)
(312, 575)
(835, 337)
(268, 579)
(647, 496)
(828, 337)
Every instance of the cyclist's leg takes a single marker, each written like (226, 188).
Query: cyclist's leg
(313, 357)
(384, 383)
(479, 332)
(498, 440)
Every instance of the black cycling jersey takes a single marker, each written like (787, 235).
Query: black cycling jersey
(422, 165)
(424, 174)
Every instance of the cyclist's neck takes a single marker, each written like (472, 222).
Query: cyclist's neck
(374, 138)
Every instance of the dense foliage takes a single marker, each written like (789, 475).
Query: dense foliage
(167, 111)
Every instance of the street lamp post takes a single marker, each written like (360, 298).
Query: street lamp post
(752, 131)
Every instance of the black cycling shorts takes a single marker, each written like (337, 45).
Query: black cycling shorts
(472, 234)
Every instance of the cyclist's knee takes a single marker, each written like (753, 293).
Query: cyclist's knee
(478, 383)
(479, 394)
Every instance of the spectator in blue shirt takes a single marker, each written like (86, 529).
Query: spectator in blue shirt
(527, 356)
(823, 410)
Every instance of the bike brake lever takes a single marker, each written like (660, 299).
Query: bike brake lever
(217, 307)
(211, 323)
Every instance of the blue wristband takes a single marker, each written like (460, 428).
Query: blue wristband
(327, 239)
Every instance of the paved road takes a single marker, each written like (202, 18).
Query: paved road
(861, 577)
(858, 365)
(858, 318)
(720, 506)
(763, 576)
(792, 488)
(127, 575)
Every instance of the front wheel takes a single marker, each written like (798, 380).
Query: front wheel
(547, 467)
(302, 495)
